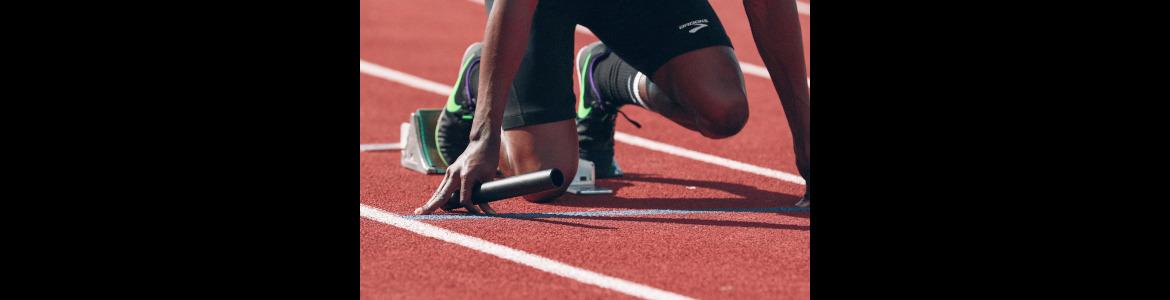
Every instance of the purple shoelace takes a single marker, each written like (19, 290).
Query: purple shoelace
(470, 99)
(597, 103)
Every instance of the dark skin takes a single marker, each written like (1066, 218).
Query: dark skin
(505, 39)
(776, 30)
(693, 90)
(701, 90)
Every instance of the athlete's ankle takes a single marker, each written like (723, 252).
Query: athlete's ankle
(618, 81)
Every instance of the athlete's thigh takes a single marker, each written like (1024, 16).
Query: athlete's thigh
(707, 81)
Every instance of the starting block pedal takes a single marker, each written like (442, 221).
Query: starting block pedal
(421, 154)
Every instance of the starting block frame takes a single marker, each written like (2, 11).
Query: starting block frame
(584, 183)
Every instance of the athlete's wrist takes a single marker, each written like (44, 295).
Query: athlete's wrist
(484, 129)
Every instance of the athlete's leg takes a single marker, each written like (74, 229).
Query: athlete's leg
(669, 56)
(538, 120)
(539, 147)
(701, 90)
(673, 58)
(776, 30)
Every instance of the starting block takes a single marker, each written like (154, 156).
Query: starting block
(583, 183)
(421, 154)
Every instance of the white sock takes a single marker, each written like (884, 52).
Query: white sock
(634, 87)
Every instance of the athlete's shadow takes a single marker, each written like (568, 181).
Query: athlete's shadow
(544, 218)
(702, 222)
(748, 196)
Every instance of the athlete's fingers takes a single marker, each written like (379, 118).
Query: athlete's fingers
(441, 195)
(487, 209)
(465, 196)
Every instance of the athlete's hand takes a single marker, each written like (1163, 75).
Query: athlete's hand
(500, 60)
(477, 164)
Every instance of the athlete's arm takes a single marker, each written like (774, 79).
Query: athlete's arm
(505, 41)
(776, 30)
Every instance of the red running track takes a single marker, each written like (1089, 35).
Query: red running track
(712, 255)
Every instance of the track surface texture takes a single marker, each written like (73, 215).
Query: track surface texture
(675, 226)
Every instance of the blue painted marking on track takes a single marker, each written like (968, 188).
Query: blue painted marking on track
(632, 212)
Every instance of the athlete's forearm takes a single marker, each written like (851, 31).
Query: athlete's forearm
(776, 30)
(505, 40)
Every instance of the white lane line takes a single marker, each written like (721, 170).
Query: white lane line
(635, 140)
(707, 158)
(750, 69)
(379, 147)
(519, 256)
(403, 78)
(760, 71)
(403, 130)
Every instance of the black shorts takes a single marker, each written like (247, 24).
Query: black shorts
(644, 33)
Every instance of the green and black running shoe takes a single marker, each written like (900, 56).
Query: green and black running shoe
(596, 116)
(452, 134)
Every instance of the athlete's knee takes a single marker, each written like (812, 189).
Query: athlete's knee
(568, 167)
(548, 196)
(725, 115)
